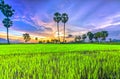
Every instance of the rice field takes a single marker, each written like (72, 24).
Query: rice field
(59, 61)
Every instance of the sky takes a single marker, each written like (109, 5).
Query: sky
(36, 18)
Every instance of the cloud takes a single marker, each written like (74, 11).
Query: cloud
(22, 26)
(36, 16)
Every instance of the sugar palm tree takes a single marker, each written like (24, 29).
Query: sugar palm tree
(7, 23)
(8, 12)
(57, 19)
(64, 20)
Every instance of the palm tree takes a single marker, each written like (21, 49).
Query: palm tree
(57, 19)
(7, 23)
(8, 12)
(64, 20)
(26, 37)
(90, 36)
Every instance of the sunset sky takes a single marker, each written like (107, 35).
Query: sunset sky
(36, 17)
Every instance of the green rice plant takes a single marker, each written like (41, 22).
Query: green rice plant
(64, 61)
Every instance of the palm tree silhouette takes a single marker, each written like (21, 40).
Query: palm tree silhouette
(57, 19)
(7, 23)
(8, 12)
(64, 20)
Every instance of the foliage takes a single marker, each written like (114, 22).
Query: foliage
(26, 37)
(104, 34)
(77, 38)
(84, 37)
(7, 22)
(7, 12)
(64, 18)
(57, 19)
(90, 36)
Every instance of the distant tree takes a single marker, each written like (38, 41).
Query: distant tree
(7, 12)
(110, 39)
(96, 37)
(26, 37)
(47, 41)
(40, 42)
(99, 35)
(43, 41)
(69, 36)
(84, 37)
(36, 38)
(64, 20)
(57, 19)
(77, 38)
(90, 36)
(104, 34)
(54, 40)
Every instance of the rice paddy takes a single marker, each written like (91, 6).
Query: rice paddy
(59, 61)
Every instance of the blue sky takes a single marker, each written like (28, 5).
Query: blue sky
(36, 17)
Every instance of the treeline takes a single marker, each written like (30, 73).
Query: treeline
(88, 37)
(92, 37)
(27, 38)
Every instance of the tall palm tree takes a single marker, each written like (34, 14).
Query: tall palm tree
(8, 12)
(57, 19)
(64, 20)
(7, 23)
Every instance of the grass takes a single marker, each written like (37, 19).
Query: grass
(59, 61)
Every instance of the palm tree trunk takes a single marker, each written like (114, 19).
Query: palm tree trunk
(58, 32)
(8, 37)
(64, 34)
